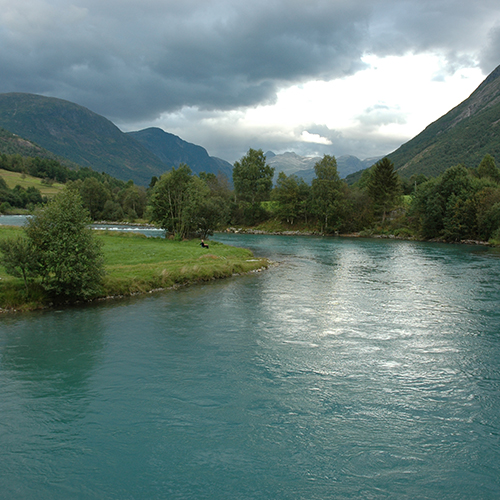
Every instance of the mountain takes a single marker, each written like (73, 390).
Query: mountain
(173, 151)
(85, 138)
(76, 133)
(12, 144)
(303, 166)
(464, 135)
(349, 164)
(289, 163)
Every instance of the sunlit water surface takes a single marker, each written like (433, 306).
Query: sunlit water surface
(353, 369)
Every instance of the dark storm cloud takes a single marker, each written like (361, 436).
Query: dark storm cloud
(192, 61)
(133, 59)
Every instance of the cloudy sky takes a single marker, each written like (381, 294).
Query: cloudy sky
(316, 77)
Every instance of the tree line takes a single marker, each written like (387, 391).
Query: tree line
(460, 204)
(58, 253)
(105, 197)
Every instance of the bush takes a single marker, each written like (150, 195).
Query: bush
(68, 258)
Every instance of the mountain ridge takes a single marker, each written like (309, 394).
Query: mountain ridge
(463, 135)
(84, 138)
(172, 151)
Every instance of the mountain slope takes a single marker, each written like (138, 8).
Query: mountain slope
(76, 133)
(12, 144)
(462, 136)
(173, 151)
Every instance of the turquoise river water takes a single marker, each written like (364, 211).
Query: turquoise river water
(352, 369)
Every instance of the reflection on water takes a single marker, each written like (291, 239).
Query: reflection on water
(57, 353)
(353, 369)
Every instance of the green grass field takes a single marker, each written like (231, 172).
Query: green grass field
(16, 178)
(137, 264)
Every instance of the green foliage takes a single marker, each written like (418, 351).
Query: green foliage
(327, 194)
(429, 207)
(495, 238)
(94, 196)
(215, 210)
(18, 197)
(252, 177)
(107, 201)
(383, 187)
(292, 195)
(457, 206)
(358, 214)
(68, 258)
(488, 211)
(18, 258)
(133, 200)
(177, 200)
(459, 221)
(97, 190)
(487, 168)
(112, 211)
(461, 204)
(212, 214)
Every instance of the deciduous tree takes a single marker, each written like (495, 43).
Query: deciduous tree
(327, 196)
(18, 258)
(292, 194)
(94, 196)
(68, 257)
(176, 201)
(252, 177)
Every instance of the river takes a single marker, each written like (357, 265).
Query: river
(352, 369)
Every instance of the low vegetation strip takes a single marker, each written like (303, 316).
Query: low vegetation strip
(137, 264)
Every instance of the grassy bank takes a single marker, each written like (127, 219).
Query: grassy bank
(137, 264)
(14, 179)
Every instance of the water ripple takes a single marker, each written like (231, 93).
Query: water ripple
(355, 369)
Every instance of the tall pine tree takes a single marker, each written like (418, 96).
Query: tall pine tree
(383, 187)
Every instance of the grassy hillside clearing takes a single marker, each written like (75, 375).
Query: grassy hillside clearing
(137, 264)
(14, 179)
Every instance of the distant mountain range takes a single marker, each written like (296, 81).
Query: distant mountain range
(303, 166)
(88, 139)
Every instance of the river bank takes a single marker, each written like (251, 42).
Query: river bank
(136, 264)
(405, 237)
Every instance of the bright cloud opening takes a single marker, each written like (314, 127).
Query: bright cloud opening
(314, 138)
